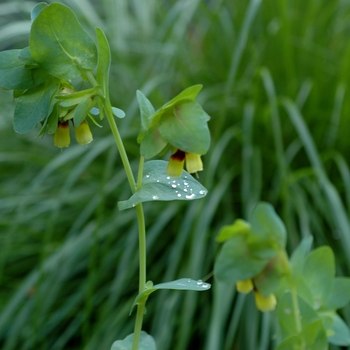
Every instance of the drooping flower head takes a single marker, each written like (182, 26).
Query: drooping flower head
(181, 125)
(177, 160)
(72, 107)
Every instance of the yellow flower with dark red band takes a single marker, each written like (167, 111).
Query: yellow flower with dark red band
(62, 136)
(177, 160)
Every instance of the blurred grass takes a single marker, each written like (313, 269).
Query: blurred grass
(275, 79)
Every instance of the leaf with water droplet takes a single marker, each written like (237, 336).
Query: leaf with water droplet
(157, 185)
(181, 284)
(146, 343)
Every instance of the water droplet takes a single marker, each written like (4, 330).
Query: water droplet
(155, 197)
(133, 204)
(190, 196)
(158, 180)
(185, 176)
(199, 282)
(174, 181)
(148, 175)
(202, 192)
(205, 285)
(185, 190)
(185, 183)
(168, 177)
(189, 280)
(179, 195)
(173, 186)
(317, 304)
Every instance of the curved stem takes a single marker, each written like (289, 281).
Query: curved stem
(115, 132)
(121, 149)
(139, 209)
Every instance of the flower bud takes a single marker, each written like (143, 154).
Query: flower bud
(245, 286)
(193, 163)
(62, 136)
(83, 133)
(265, 303)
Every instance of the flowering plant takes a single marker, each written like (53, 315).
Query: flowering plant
(42, 77)
(45, 78)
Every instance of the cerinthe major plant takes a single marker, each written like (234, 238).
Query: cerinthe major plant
(45, 77)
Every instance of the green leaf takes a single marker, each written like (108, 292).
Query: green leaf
(300, 253)
(189, 93)
(239, 227)
(318, 272)
(185, 127)
(14, 75)
(312, 337)
(267, 223)
(152, 143)
(269, 280)
(82, 110)
(146, 343)
(52, 123)
(117, 112)
(69, 100)
(60, 44)
(158, 186)
(33, 107)
(340, 294)
(26, 58)
(181, 284)
(237, 261)
(302, 288)
(339, 331)
(146, 110)
(104, 62)
(286, 315)
(37, 9)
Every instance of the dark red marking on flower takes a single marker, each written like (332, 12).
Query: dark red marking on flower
(63, 124)
(178, 156)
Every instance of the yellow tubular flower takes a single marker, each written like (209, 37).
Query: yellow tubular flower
(83, 133)
(245, 286)
(62, 137)
(176, 164)
(193, 163)
(265, 303)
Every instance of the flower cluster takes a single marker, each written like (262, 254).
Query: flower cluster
(253, 255)
(82, 132)
(263, 303)
(179, 125)
(65, 113)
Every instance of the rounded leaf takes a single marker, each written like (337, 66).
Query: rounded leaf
(60, 44)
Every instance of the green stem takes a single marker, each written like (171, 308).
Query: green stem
(139, 208)
(142, 263)
(142, 233)
(294, 295)
(115, 132)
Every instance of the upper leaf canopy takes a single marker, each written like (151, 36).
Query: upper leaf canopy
(61, 49)
(181, 123)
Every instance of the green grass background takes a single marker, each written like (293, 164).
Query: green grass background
(275, 76)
